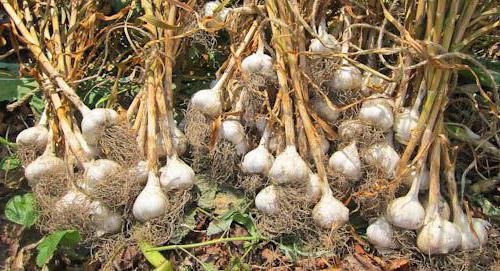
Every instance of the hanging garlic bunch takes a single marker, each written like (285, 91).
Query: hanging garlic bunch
(210, 10)
(258, 62)
(377, 112)
(329, 212)
(259, 160)
(325, 108)
(97, 171)
(151, 202)
(347, 162)
(381, 234)
(34, 137)
(382, 155)
(326, 43)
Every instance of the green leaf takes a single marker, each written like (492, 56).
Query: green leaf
(246, 221)
(51, 242)
(493, 67)
(10, 163)
(37, 104)
(208, 190)
(219, 226)
(155, 258)
(489, 209)
(21, 210)
(15, 88)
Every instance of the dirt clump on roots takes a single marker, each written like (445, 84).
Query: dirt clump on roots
(159, 230)
(118, 144)
(118, 190)
(197, 130)
(220, 165)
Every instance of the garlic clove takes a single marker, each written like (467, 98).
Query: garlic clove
(151, 202)
(377, 112)
(36, 136)
(45, 165)
(266, 201)
(97, 171)
(314, 187)
(94, 123)
(330, 213)
(381, 234)
(257, 161)
(258, 63)
(346, 78)
(404, 123)
(383, 156)
(326, 111)
(176, 175)
(289, 167)
(208, 101)
(106, 221)
(347, 162)
(406, 212)
(439, 236)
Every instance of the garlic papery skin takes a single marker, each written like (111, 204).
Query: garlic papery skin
(325, 109)
(404, 123)
(351, 129)
(232, 131)
(94, 123)
(347, 162)
(35, 136)
(443, 207)
(257, 161)
(383, 156)
(141, 171)
(381, 234)
(258, 63)
(326, 43)
(151, 202)
(372, 84)
(176, 175)
(324, 145)
(424, 178)
(346, 78)
(329, 212)
(439, 236)
(314, 187)
(289, 167)
(72, 200)
(45, 165)
(208, 101)
(266, 201)
(180, 141)
(97, 171)
(105, 220)
(210, 7)
(469, 239)
(377, 112)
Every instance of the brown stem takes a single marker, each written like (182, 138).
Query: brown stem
(152, 155)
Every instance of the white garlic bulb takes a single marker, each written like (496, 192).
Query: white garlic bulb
(328, 42)
(151, 202)
(383, 156)
(232, 131)
(351, 129)
(346, 78)
(443, 207)
(377, 112)
(266, 201)
(314, 187)
(289, 167)
(180, 141)
(471, 240)
(94, 123)
(329, 212)
(35, 136)
(381, 234)
(106, 221)
(424, 178)
(439, 236)
(176, 175)
(404, 123)
(208, 101)
(210, 7)
(45, 165)
(140, 171)
(72, 200)
(347, 162)
(258, 63)
(97, 171)
(324, 144)
(325, 109)
(257, 161)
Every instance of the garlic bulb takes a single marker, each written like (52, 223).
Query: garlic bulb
(208, 101)
(325, 109)
(346, 78)
(377, 112)
(257, 161)
(404, 123)
(328, 42)
(329, 212)
(372, 84)
(288, 167)
(35, 136)
(381, 234)
(424, 178)
(471, 240)
(106, 221)
(72, 200)
(266, 200)
(439, 236)
(140, 171)
(314, 187)
(276, 142)
(324, 144)
(351, 129)
(180, 141)
(97, 171)
(176, 175)
(258, 63)
(347, 162)
(95, 121)
(232, 131)
(383, 156)
(443, 207)
(210, 7)
(151, 202)
(45, 165)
